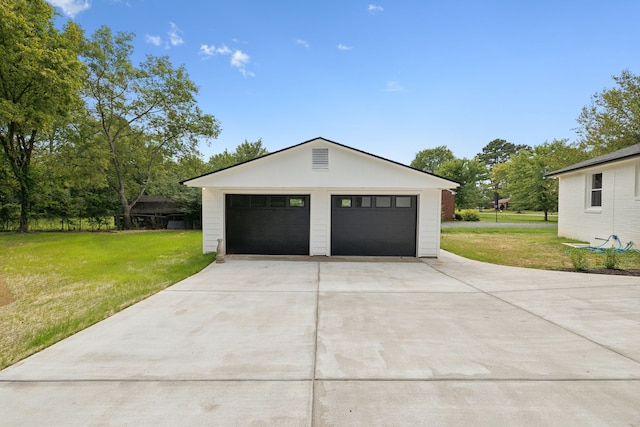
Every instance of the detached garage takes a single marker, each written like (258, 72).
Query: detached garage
(322, 198)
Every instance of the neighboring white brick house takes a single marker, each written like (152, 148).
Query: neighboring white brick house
(322, 198)
(601, 197)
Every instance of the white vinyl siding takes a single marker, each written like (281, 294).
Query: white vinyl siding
(213, 221)
(637, 192)
(620, 208)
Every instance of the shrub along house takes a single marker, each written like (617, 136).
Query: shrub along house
(322, 198)
(601, 197)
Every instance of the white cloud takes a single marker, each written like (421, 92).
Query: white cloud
(246, 73)
(71, 7)
(210, 50)
(394, 86)
(303, 43)
(154, 40)
(239, 59)
(374, 8)
(343, 47)
(175, 35)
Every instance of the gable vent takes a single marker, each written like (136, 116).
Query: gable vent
(320, 158)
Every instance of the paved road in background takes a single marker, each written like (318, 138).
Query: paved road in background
(472, 224)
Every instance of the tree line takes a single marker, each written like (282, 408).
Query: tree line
(610, 122)
(85, 132)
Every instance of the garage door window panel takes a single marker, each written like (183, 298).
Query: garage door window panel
(296, 202)
(363, 201)
(403, 202)
(258, 201)
(240, 201)
(343, 202)
(278, 201)
(383, 201)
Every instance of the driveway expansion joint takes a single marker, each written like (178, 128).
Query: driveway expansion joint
(315, 348)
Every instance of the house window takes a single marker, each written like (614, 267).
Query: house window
(595, 191)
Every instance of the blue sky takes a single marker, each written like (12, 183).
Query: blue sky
(387, 77)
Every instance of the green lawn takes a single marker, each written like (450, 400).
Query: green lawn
(522, 247)
(55, 284)
(514, 217)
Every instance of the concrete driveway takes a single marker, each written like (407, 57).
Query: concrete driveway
(268, 342)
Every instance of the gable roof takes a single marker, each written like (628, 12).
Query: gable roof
(625, 153)
(328, 142)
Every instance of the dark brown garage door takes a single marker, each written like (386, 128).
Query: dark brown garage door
(373, 225)
(267, 224)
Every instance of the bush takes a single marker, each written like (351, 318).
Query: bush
(611, 259)
(470, 215)
(578, 259)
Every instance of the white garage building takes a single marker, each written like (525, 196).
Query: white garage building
(322, 198)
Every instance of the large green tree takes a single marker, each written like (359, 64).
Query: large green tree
(74, 171)
(499, 151)
(431, 159)
(561, 153)
(496, 153)
(40, 76)
(612, 120)
(168, 184)
(147, 113)
(529, 187)
(9, 201)
(469, 173)
(190, 199)
(243, 153)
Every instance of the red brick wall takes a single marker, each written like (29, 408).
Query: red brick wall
(448, 205)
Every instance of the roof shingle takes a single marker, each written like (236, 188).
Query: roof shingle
(631, 151)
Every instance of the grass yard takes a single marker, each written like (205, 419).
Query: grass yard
(523, 247)
(53, 285)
